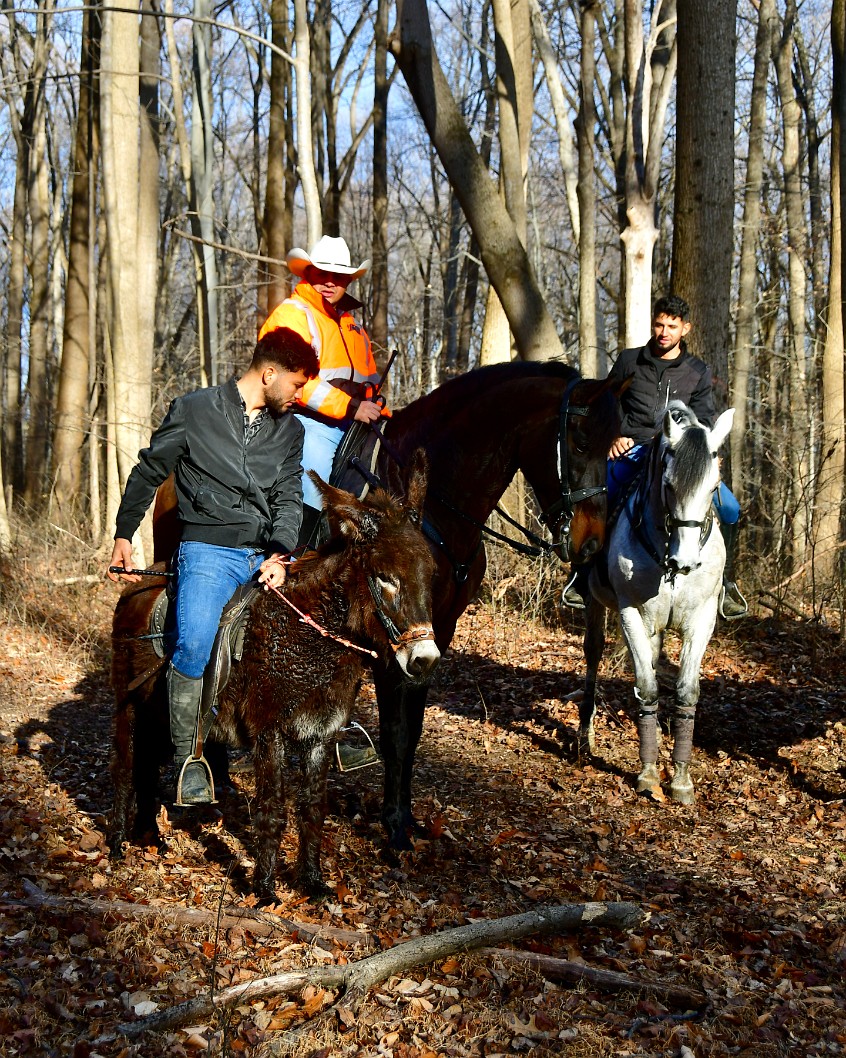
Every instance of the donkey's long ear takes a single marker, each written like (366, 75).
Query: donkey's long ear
(347, 515)
(416, 481)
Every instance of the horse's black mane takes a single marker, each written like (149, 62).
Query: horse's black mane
(692, 459)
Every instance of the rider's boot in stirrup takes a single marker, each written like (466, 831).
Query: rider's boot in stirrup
(732, 602)
(576, 589)
(184, 700)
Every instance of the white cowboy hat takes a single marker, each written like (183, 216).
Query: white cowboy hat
(327, 254)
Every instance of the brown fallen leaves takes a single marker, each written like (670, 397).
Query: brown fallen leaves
(744, 891)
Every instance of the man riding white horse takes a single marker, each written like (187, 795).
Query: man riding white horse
(661, 371)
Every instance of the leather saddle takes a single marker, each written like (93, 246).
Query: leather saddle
(228, 642)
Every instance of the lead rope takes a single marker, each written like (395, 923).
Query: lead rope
(307, 619)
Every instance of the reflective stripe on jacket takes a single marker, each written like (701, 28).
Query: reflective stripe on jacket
(342, 347)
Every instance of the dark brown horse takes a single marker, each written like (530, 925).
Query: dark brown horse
(370, 585)
(478, 430)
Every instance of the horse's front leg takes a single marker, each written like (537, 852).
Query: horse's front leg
(594, 645)
(694, 643)
(268, 755)
(401, 710)
(311, 813)
(641, 647)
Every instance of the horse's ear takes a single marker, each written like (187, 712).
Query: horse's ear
(347, 515)
(722, 428)
(672, 429)
(416, 481)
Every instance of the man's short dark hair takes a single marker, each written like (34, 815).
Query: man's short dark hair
(286, 350)
(672, 305)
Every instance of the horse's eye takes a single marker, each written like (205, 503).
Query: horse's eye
(388, 587)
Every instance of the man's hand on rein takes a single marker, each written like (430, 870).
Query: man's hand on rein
(272, 572)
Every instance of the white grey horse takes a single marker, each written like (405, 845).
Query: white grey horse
(665, 568)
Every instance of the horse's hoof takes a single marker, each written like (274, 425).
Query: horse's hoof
(683, 795)
(586, 746)
(681, 788)
(313, 886)
(264, 896)
(649, 782)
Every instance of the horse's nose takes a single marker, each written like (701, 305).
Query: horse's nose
(680, 567)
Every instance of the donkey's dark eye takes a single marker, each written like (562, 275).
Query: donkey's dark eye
(388, 587)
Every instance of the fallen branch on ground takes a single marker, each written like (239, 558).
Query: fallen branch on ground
(354, 979)
(609, 980)
(261, 924)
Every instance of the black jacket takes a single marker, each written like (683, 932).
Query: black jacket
(654, 383)
(230, 493)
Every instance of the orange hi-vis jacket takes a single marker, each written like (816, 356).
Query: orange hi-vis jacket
(347, 367)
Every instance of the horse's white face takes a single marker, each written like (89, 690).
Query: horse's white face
(687, 486)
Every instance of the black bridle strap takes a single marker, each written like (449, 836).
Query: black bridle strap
(537, 548)
(397, 638)
(563, 508)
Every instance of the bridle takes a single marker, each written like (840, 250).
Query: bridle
(671, 522)
(415, 634)
(559, 515)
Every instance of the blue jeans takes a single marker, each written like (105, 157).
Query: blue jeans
(319, 446)
(622, 471)
(206, 578)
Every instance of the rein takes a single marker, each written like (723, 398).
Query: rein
(562, 511)
(639, 497)
(307, 619)
(397, 639)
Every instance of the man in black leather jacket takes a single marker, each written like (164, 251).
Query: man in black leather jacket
(236, 453)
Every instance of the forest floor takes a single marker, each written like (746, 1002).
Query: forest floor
(743, 893)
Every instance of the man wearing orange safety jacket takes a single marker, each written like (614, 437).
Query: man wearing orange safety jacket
(320, 309)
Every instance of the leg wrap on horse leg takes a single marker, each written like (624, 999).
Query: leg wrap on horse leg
(683, 735)
(647, 733)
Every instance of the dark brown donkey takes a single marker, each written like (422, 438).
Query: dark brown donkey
(294, 689)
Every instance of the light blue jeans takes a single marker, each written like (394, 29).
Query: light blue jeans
(622, 471)
(206, 578)
(319, 446)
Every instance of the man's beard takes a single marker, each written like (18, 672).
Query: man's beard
(276, 407)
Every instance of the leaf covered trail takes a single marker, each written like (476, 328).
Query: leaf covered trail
(744, 891)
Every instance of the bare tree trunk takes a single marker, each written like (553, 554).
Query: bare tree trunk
(379, 271)
(131, 380)
(748, 271)
(803, 439)
(502, 252)
(72, 399)
(305, 144)
(149, 221)
(202, 173)
(828, 509)
(12, 429)
(38, 433)
(559, 112)
(513, 51)
(276, 219)
(703, 229)
(590, 353)
(648, 88)
(5, 529)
